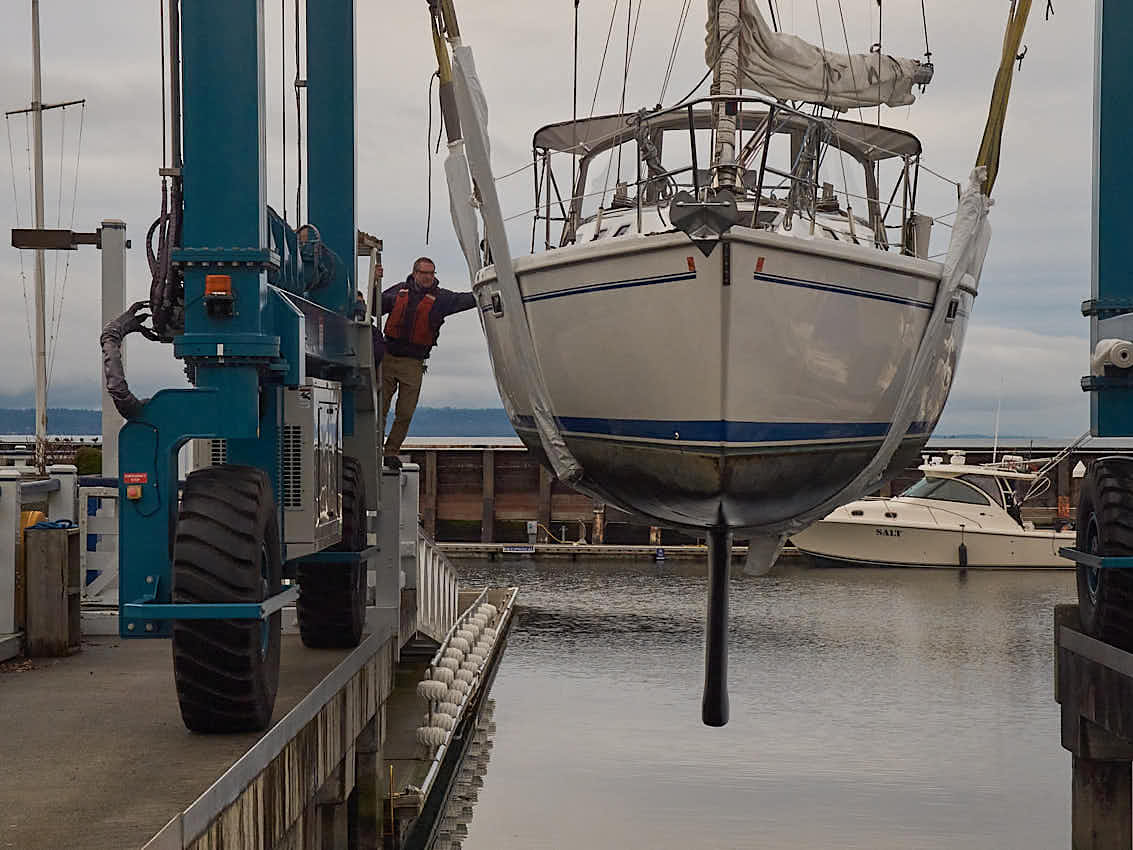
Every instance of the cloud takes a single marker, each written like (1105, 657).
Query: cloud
(1036, 274)
(1025, 374)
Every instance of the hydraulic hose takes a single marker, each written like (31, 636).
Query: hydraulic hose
(113, 370)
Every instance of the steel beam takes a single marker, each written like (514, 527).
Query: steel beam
(113, 237)
(331, 155)
(1111, 409)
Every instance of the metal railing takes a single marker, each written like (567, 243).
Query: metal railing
(816, 135)
(437, 589)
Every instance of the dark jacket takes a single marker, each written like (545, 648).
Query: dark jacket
(447, 303)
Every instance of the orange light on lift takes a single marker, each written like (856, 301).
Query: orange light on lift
(218, 284)
(691, 264)
(759, 265)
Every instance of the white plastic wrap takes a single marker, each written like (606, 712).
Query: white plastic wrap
(786, 67)
(473, 109)
(971, 236)
(1111, 352)
(461, 207)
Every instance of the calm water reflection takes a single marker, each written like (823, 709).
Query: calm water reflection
(870, 709)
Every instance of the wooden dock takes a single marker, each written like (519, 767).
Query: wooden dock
(486, 490)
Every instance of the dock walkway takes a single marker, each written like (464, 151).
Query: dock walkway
(96, 755)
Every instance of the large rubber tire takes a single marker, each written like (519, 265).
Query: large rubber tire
(227, 549)
(332, 597)
(1105, 527)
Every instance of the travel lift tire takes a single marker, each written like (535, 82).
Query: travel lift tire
(332, 597)
(227, 549)
(1105, 527)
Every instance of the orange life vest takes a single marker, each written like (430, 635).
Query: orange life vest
(416, 328)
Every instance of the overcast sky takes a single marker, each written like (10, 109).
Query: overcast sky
(1027, 342)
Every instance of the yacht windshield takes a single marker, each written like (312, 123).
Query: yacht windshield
(946, 490)
(988, 484)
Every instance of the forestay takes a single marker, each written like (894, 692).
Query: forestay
(786, 67)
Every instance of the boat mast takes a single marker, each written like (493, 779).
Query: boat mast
(727, 72)
(40, 331)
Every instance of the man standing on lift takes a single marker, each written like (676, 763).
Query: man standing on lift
(417, 308)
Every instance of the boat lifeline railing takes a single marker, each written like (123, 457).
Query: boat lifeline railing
(807, 195)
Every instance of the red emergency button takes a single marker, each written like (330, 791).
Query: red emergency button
(134, 492)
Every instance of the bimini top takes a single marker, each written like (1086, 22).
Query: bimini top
(589, 136)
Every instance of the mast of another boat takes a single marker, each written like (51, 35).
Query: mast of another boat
(40, 365)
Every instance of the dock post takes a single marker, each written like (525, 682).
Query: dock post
(333, 826)
(544, 503)
(11, 607)
(1094, 686)
(1100, 814)
(366, 801)
(488, 510)
(429, 493)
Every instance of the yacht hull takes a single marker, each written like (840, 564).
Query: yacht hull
(835, 543)
(742, 388)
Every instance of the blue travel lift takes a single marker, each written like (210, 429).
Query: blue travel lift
(1104, 548)
(284, 378)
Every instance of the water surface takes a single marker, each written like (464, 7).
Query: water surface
(869, 709)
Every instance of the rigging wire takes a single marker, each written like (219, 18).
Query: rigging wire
(732, 35)
(597, 85)
(602, 65)
(625, 83)
(58, 214)
(16, 206)
(880, 44)
(636, 21)
(58, 223)
(436, 75)
(924, 20)
(574, 106)
(74, 203)
(825, 64)
(846, 38)
(774, 20)
(676, 46)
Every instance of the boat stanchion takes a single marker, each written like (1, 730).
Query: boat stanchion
(714, 706)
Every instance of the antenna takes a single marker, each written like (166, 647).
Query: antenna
(998, 406)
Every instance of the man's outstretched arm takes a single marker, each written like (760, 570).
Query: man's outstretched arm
(459, 302)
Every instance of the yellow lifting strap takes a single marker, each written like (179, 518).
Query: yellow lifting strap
(997, 114)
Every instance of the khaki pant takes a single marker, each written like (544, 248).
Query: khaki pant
(401, 375)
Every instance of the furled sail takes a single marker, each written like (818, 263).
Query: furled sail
(786, 67)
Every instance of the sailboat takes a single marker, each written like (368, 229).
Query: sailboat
(729, 347)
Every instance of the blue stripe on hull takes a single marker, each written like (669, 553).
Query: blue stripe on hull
(842, 290)
(589, 288)
(602, 287)
(720, 431)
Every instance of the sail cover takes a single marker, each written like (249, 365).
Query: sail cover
(788, 68)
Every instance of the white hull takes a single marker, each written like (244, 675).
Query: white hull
(862, 544)
(911, 532)
(694, 397)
